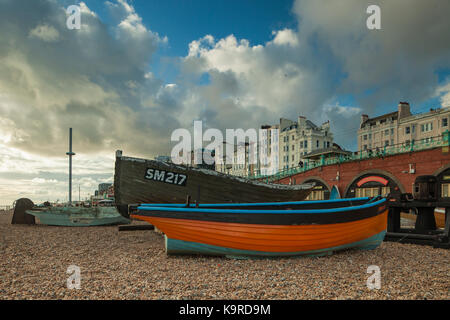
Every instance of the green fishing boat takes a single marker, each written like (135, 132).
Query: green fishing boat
(78, 216)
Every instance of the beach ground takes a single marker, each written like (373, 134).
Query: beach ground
(134, 265)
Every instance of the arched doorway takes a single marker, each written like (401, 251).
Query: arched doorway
(321, 190)
(444, 184)
(372, 185)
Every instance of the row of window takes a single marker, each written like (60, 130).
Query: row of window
(425, 127)
(371, 192)
(304, 145)
(286, 138)
(386, 133)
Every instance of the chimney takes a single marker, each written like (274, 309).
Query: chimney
(301, 121)
(364, 118)
(403, 110)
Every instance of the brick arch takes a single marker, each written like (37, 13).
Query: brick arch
(375, 172)
(318, 179)
(441, 169)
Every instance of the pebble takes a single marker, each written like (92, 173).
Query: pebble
(133, 265)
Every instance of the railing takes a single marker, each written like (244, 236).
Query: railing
(423, 144)
(5, 208)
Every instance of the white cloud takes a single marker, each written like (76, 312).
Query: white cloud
(285, 37)
(45, 32)
(443, 92)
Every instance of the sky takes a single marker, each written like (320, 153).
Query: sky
(138, 70)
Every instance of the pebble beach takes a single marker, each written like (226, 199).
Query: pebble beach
(134, 265)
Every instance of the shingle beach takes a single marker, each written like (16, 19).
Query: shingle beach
(134, 265)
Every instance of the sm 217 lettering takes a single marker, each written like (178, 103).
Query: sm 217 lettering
(166, 176)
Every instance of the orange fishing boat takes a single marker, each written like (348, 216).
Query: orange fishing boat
(269, 229)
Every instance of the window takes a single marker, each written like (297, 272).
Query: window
(426, 127)
(328, 144)
(445, 190)
(287, 148)
(293, 158)
(386, 132)
(287, 138)
(293, 138)
(365, 147)
(407, 130)
(292, 147)
(301, 144)
(413, 128)
(306, 144)
(367, 192)
(386, 143)
(317, 144)
(392, 131)
(365, 137)
(445, 122)
(316, 195)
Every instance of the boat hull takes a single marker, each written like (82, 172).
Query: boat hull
(174, 246)
(364, 228)
(79, 217)
(148, 181)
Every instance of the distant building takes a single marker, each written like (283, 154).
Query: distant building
(334, 151)
(297, 139)
(220, 159)
(103, 188)
(202, 154)
(163, 158)
(238, 165)
(401, 127)
(266, 151)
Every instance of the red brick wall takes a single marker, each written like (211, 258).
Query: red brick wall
(426, 162)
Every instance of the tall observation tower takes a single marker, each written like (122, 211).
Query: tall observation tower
(70, 154)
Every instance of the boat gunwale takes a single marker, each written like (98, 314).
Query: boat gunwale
(253, 204)
(259, 211)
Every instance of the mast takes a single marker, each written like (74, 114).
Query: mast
(70, 154)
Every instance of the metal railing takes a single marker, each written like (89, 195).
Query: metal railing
(413, 146)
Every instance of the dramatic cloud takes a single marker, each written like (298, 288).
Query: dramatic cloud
(397, 62)
(92, 79)
(98, 80)
(332, 55)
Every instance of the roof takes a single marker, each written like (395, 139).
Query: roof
(384, 116)
(325, 151)
(311, 124)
